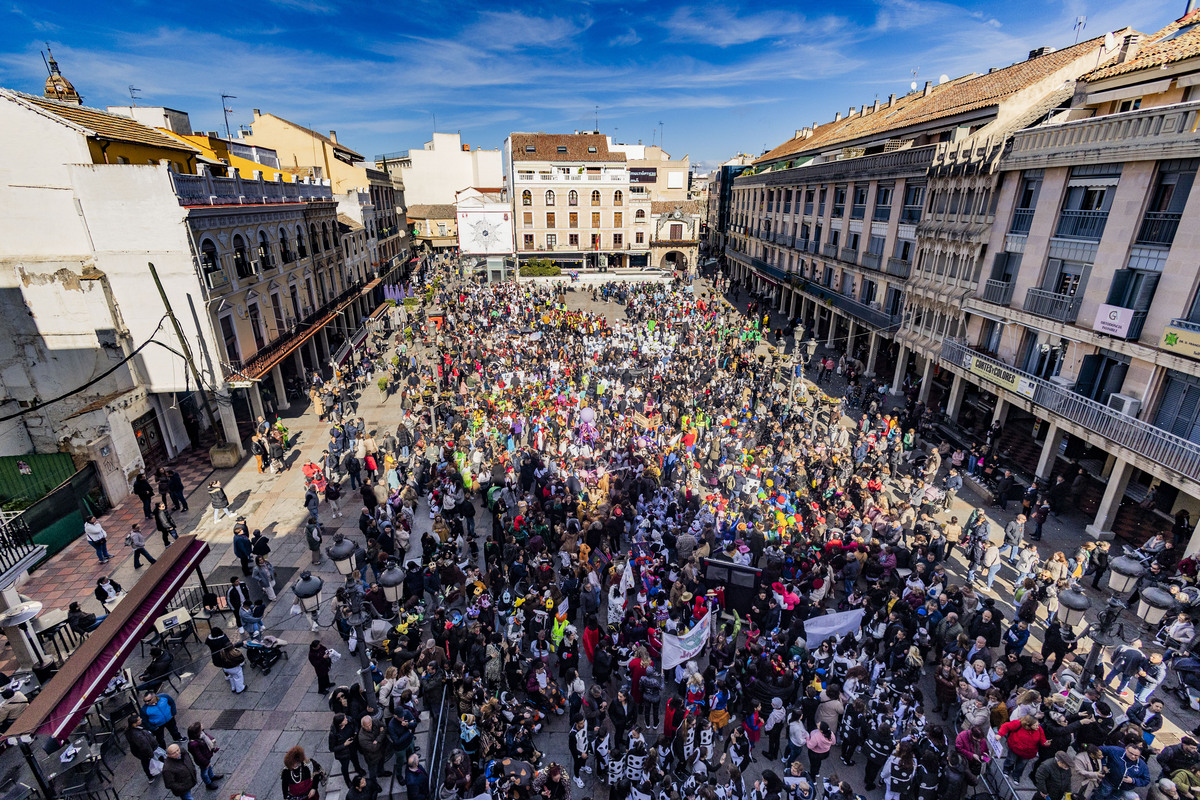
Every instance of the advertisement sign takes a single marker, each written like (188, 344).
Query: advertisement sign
(1113, 320)
(678, 649)
(1001, 375)
(1184, 341)
(643, 174)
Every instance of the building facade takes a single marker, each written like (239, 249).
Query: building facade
(444, 166)
(483, 219)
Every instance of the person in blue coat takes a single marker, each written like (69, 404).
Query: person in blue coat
(159, 713)
(1127, 771)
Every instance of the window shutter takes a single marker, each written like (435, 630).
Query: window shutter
(1000, 267)
(1116, 377)
(1053, 270)
(1119, 287)
(1083, 279)
(1087, 374)
(1145, 294)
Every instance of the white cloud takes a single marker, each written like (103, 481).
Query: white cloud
(627, 39)
(726, 27)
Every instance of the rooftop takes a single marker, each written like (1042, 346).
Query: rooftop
(102, 124)
(321, 137)
(1177, 42)
(435, 211)
(954, 97)
(667, 206)
(562, 147)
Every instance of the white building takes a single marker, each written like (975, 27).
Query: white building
(485, 231)
(444, 166)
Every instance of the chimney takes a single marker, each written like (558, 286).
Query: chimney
(1129, 48)
(891, 99)
(815, 125)
(928, 89)
(850, 113)
(875, 107)
(333, 136)
(257, 113)
(837, 117)
(1041, 51)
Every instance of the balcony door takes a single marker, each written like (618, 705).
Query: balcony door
(229, 335)
(1179, 411)
(277, 308)
(1065, 277)
(1101, 375)
(256, 325)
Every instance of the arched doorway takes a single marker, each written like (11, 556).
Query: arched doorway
(674, 260)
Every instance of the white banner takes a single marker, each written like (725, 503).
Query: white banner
(818, 629)
(678, 649)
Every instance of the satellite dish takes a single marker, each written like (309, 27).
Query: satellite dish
(913, 86)
(20, 613)
(1110, 41)
(944, 77)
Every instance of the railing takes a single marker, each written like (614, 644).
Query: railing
(1022, 220)
(858, 211)
(849, 255)
(808, 209)
(1044, 303)
(1148, 134)
(998, 292)
(758, 264)
(1172, 452)
(839, 210)
(910, 215)
(899, 267)
(1158, 227)
(210, 190)
(873, 316)
(396, 156)
(871, 260)
(881, 213)
(1186, 324)
(812, 246)
(802, 244)
(16, 545)
(829, 249)
(1080, 224)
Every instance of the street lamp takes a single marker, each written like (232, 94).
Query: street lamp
(344, 554)
(1123, 574)
(1154, 603)
(308, 595)
(392, 581)
(1072, 605)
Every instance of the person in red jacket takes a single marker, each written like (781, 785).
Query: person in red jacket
(1024, 737)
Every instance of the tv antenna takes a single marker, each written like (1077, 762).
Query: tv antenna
(915, 71)
(227, 111)
(133, 95)
(661, 134)
(597, 128)
(1080, 24)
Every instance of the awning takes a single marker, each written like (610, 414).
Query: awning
(66, 698)
(257, 369)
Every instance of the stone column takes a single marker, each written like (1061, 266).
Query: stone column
(1193, 542)
(313, 357)
(281, 399)
(1114, 490)
(901, 369)
(1054, 437)
(926, 381)
(228, 422)
(1001, 412)
(298, 358)
(796, 301)
(872, 352)
(324, 348)
(256, 403)
(829, 339)
(958, 390)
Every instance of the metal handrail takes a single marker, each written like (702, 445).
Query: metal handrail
(1160, 446)
(1075, 223)
(1045, 303)
(1159, 227)
(998, 292)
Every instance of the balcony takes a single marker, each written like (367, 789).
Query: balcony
(839, 210)
(802, 244)
(910, 215)
(829, 249)
(808, 209)
(871, 260)
(1158, 227)
(759, 264)
(1130, 433)
(858, 211)
(1052, 305)
(867, 313)
(18, 551)
(787, 208)
(998, 292)
(1150, 134)
(1080, 224)
(849, 255)
(882, 213)
(900, 267)
(209, 190)
(1022, 221)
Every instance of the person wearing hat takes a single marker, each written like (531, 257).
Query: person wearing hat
(1053, 777)
(775, 725)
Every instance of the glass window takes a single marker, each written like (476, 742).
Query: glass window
(595, 197)
(526, 198)
(573, 198)
(549, 197)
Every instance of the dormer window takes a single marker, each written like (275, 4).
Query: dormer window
(529, 148)
(562, 148)
(592, 149)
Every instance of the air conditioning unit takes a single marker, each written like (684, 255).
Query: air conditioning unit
(256, 267)
(1063, 381)
(1124, 404)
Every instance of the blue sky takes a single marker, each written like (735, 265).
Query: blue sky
(707, 80)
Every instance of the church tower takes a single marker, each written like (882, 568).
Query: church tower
(58, 87)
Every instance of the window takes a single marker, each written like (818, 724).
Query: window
(550, 219)
(875, 245)
(526, 198)
(315, 238)
(1129, 105)
(839, 201)
(618, 197)
(551, 241)
(595, 219)
(229, 335)
(859, 209)
(592, 149)
(285, 250)
(1031, 187)
(441, 229)
(573, 220)
(618, 219)
(573, 198)
(528, 241)
(640, 214)
(529, 148)
(573, 239)
(241, 262)
(1174, 184)
(265, 257)
(549, 197)
(676, 231)
(208, 257)
(527, 219)
(325, 237)
(1179, 411)
(301, 247)
(639, 238)
(595, 241)
(914, 199)
(256, 326)
(595, 197)
(562, 148)
(618, 240)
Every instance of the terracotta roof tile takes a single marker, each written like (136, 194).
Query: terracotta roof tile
(106, 125)
(1159, 50)
(546, 147)
(435, 211)
(957, 96)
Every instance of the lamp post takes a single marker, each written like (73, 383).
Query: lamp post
(308, 595)
(1123, 574)
(392, 581)
(1153, 605)
(344, 554)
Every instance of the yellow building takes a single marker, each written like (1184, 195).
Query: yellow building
(305, 152)
(218, 150)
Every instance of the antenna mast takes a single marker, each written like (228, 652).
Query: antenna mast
(133, 95)
(227, 111)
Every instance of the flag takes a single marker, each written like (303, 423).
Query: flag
(678, 649)
(818, 629)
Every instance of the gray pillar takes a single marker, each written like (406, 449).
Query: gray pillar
(229, 423)
(850, 337)
(256, 403)
(324, 348)
(872, 352)
(298, 357)
(926, 381)
(901, 368)
(1114, 491)
(281, 399)
(958, 390)
(1001, 412)
(1054, 437)
(832, 327)
(1193, 543)
(313, 357)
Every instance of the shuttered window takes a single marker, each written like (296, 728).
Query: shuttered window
(1179, 411)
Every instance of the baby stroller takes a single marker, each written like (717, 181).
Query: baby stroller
(263, 653)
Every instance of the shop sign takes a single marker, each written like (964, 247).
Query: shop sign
(1113, 320)
(1184, 341)
(1001, 375)
(643, 174)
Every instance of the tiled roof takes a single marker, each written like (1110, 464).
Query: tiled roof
(667, 206)
(322, 137)
(1155, 52)
(958, 96)
(350, 222)
(545, 147)
(435, 211)
(105, 125)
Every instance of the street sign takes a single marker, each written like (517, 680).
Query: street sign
(240, 384)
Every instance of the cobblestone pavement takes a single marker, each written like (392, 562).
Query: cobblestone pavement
(283, 709)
